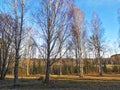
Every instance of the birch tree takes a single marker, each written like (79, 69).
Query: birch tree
(78, 18)
(6, 37)
(97, 39)
(28, 47)
(53, 18)
(18, 9)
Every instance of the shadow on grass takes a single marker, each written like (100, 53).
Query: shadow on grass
(34, 84)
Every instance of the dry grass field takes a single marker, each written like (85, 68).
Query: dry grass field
(65, 82)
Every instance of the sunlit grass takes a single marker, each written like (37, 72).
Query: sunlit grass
(72, 77)
(71, 83)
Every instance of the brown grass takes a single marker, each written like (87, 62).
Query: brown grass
(65, 82)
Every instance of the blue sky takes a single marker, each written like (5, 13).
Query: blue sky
(107, 11)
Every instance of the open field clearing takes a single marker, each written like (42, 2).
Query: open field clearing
(64, 82)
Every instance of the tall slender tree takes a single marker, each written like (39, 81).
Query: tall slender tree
(78, 18)
(97, 39)
(18, 7)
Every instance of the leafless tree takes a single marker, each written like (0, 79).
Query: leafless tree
(78, 18)
(18, 7)
(85, 47)
(53, 17)
(97, 39)
(6, 37)
(28, 45)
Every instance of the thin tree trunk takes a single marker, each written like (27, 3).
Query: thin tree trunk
(2, 72)
(2, 57)
(77, 66)
(100, 67)
(28, 52)
(16, 68)
(28, 62)
(2, 77)
(99, 63)
(47, 72)
(47, 65)
(60, 60)
(81, 68)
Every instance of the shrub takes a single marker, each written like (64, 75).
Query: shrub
(104, 68)
(10, 71)
(41, 78)
(55, 70)
(115, 69)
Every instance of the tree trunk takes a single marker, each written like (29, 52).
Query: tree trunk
(60, 68)
(77, 66)
(16, 68)
(3, 74)
(99, 63)
(81, 68)
(100, 67)
(2, 77)
(3, 69)
(47, 72)
(47, 66)
(60, 60)
(28, 62)
(2, 60)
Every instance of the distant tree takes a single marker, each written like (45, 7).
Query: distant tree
(85, 46)
(29, 48)
(97, 39)
(78, 18)
(53, 17)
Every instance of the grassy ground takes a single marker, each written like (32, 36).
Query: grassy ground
(91, 82)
